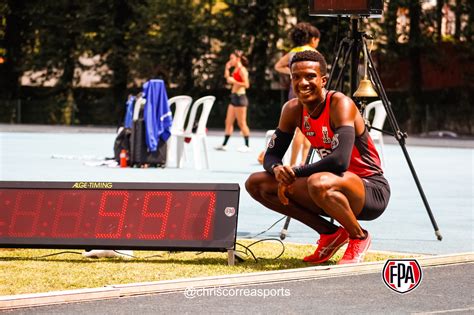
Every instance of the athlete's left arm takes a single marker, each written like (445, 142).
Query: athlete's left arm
(343, 113)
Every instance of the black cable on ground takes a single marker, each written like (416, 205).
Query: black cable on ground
(55, 254)
(247, 248)
(268, 229)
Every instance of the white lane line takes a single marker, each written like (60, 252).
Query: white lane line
(446, 311)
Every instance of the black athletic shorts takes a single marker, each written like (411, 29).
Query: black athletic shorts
(239, 100)
(377, 194)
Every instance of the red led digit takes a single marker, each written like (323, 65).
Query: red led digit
(198, 219)
(156, 215)
(68, 214)
(26, 214)
(112, 209)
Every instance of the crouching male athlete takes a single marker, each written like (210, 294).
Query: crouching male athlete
(346, 184)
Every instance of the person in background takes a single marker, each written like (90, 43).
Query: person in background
(237, 108)
(304, 36)
(347, 184)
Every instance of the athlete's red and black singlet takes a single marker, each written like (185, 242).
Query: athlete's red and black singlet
(365, 160)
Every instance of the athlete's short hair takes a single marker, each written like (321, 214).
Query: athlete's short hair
(311, 55)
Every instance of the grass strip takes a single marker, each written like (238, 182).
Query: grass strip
(21, 271)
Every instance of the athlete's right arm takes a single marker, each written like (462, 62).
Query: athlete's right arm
(276, 149)
(280, 142)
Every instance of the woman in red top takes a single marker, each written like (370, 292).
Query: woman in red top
(237, 109)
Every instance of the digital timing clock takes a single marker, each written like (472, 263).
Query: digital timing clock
(368, 8)
(101, 215)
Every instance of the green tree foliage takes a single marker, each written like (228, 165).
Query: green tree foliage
(116, 30)
(416, 102)
(15, 31)
(187, 42)
(178, 41)
(37, 38)
(422, 45)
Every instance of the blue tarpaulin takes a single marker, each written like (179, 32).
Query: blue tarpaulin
(129, 112)
(157, 114)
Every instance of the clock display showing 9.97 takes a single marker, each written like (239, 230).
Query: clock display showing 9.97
(149, 216)
(107, 214)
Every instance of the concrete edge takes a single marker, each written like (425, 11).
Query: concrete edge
(57, 297)
(263, 277)
(180, 285)
(393, 253)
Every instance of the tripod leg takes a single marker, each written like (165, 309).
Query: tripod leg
(350, 46)
(284, 231)
(400, 136)
(336, 61)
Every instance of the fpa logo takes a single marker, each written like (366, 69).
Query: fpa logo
(402, 275)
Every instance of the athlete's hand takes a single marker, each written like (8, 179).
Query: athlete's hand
(282, 189)
(284, 174)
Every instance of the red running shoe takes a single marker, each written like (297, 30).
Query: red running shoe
(356, 250)
(328, 244)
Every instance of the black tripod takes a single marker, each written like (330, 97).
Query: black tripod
(350, 47)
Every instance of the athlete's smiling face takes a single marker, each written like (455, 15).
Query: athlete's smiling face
(308, 83)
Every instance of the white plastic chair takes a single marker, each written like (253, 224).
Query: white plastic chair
(181, 104)
(377, 121)
(199, 137)
(139, 104)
